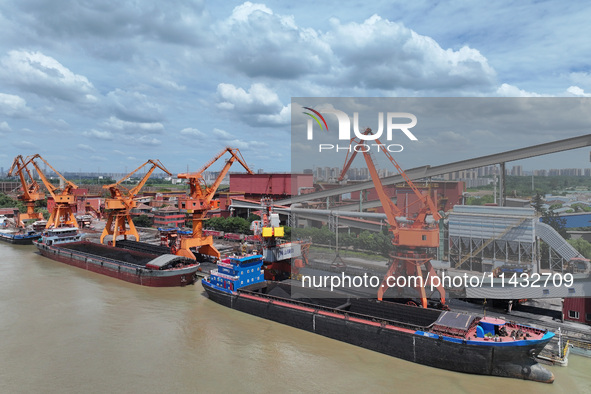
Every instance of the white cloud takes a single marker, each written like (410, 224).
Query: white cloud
(192, 132)
(506, 90)
(375, 54)
(577, 91)
(243, 11)
(282, 118)
(133, 106)
(11, 105)
(229, 139)
(98, 134)
(581, 78)
(24, 145)
(42, 75)
(4, 127)
(223, 134)
(259, 106)
(116, 124)
(385, 55)
(147, 140)
(257, 42)
(239, 144)
(258, 97)
(85, 147)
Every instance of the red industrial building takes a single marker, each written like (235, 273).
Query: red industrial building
(445, 193)
(577, 309)
(83, 200)
(273, 185)
(169, 217)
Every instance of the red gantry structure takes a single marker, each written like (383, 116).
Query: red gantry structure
(200, 202)
(122, 201)
(62, 214)
(30, 191)
(414, 240)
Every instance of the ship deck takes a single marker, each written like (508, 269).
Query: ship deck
(450, 324)
(399, 314)
(111, 253)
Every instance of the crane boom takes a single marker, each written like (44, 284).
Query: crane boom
(412, 243)
(62, 214)
(122, 202)
(69, 186)
(31, 192)
(199, 202)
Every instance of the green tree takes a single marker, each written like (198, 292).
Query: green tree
(142, 221)
(7, 202)
(229, 225)
(537, 203)
(582, 246)
(238, 225)
(559, 224)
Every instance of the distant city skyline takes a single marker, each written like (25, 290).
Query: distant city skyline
(362, 173)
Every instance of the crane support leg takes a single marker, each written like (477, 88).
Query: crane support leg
(420, 287)
(117, 225)
(384, 285)
(438, 285)
(204, 246)
(62, 215)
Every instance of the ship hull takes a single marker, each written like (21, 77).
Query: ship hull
(18, 239)
(119, 270)
(403, 343)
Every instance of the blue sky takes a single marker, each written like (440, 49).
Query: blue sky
(109, 84)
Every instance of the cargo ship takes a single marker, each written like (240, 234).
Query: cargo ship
(442, 339)
(19, 237)
(13, 235)
(67, 245)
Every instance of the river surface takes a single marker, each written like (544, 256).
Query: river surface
(67, 330)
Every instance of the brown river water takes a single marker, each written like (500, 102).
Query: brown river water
(67, 330)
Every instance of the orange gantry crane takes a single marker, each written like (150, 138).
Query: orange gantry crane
(414, 240)
(62, 214)
(31, 192)
(200, 202)
(122, 201)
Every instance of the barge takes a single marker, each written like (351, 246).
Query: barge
(442, 339)
(67, 245)
(19, 237)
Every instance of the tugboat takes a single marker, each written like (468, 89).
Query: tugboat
(442, 339)
(67, 245)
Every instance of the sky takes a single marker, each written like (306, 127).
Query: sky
(107, 85)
